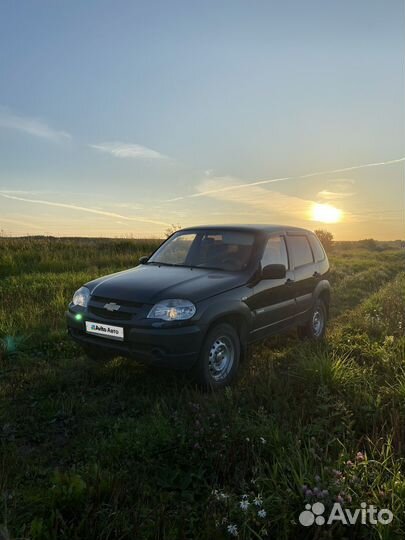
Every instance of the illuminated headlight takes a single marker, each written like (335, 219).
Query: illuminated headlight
(172, 310)
(81, 297)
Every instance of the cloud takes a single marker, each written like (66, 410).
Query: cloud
(127, 206)
(124, 150)
(337, 188)
(30, 125)
(258, 198)
(282, 179)
(369, 215)
(341, 183)
(263, 203)
(331, 195)
(85, 209)
(21, 191)
(19, 222)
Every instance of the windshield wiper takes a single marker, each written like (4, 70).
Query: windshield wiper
(172, 264)
(161, 263)
(214, 268)
(190, 266)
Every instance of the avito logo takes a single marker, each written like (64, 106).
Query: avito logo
(97, 327)
(367, 514)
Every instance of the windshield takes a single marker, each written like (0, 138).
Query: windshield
(221, 250)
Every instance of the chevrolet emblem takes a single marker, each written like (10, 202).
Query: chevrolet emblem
(112, 306)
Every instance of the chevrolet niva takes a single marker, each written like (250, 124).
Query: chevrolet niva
(203, 296)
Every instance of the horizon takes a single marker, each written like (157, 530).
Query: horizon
(164, 236)
(125, 119)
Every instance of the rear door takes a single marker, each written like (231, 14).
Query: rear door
(305, 271)
(273, 302)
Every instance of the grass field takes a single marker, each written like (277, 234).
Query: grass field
(120, 451)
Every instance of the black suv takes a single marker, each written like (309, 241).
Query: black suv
(203, 296)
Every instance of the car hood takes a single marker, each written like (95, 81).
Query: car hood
(150, 283)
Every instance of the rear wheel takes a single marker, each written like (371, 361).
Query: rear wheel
(316, 326)
(98, 354)
(219, 358)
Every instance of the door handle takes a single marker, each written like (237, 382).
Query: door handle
(289, 281)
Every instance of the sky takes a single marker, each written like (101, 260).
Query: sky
(123, 118)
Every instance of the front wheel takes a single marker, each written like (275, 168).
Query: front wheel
(316, 326)
(219, 358)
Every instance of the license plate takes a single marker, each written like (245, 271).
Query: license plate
(105, 330)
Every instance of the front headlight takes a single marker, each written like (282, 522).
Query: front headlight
(81, 297)
(172, 310)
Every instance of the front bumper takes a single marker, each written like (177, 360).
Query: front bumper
(177, 347)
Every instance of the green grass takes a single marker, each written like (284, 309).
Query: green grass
(118, 451)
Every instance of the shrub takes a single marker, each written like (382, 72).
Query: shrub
(326, 238)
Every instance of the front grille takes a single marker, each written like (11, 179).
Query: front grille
(127, 308)
(112, 315)
(123, 303)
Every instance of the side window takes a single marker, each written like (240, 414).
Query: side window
(301, 250)
(317, 248)
(275, 252)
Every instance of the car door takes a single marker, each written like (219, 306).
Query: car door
(305, 271)
(272, 301)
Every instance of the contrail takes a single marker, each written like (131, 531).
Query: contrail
(84, 209)
(282, 179)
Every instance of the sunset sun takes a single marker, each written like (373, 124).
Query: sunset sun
(326, 213)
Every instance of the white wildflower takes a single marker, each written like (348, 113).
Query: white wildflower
(244, 505)
(232, 529)
(262, 513)
(257, 501)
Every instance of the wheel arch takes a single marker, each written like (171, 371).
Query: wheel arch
(322, 292)
(239, 321)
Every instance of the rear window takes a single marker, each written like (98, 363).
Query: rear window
(317, 248)
(301, 250)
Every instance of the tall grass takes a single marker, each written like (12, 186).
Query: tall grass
(119, 451)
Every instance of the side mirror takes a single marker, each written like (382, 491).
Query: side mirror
(144, 259)
(274, 271)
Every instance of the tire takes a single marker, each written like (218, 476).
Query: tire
(98, 354)
(315, 327)
(219, 359)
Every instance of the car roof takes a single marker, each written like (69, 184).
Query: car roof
(260, 228)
